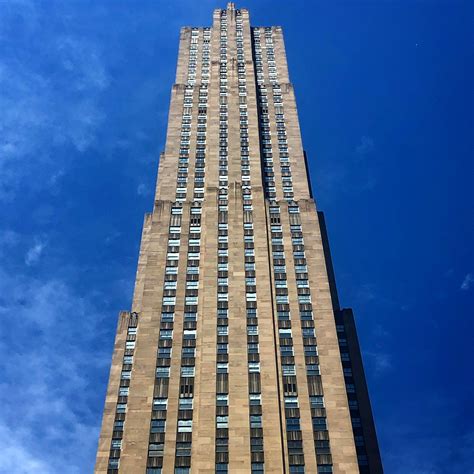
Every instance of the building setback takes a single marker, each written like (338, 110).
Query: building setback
(235, 356)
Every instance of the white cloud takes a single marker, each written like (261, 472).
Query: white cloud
(54, 380)
(44, 114)
(13, 450)
(468, 282)
(34, 253)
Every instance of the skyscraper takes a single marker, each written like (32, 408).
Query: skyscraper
(235, 356)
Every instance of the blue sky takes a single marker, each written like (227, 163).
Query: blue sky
(384, 90)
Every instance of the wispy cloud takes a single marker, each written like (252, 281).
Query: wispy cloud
(34, 253)
(55, 374)
(353, 172)
(112, 237)
(365, 146)
(367, 292)
(430, 452)
(143, 190)
(45, 114)
(380, 362)
(374, 294)
(468, 282)
(8, 238)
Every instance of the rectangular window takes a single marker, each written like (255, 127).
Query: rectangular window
(222, 400)
(222, 422)
(160, 404)
(163, 372)
(188, 352)
(319, 424)
(252, 330)
(297, 469)
(254, 367)
(166, 334)
(187, 371)
(356, 423)
(167, 317)
(289, 370)
(353, 405)
(158, 426)
(255, 421)
(164, 352)
(185, 426)
(310, 351)
(190, 317)
(116, 444)
(189, 334)
(257, 468)
(123, 391)
(293, 424)
(313, 369)
(255, 399)
(286, 351)
(316, 401)
(222, 368)
(291, 402)
(222, 348)
(185, 403)
(252, 348)
(183, 449)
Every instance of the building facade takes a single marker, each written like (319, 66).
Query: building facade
(235, 356)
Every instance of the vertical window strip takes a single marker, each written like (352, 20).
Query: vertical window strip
(222, 347)
(188, 352)
(318, 410)
(290, 388)
(165, 342)
(253, 356)
(285, 164)
(160, 397)
(200, 156)
(264, 120)
(122, 400)
(183, 158)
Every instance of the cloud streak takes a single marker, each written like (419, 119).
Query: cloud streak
(365, 146)
(468, 282)
(45, 114)
(34, 253)
(56, 375)
(380, 362)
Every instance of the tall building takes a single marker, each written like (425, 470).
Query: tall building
(235, 356)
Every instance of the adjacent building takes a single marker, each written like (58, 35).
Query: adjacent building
(235, 356)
